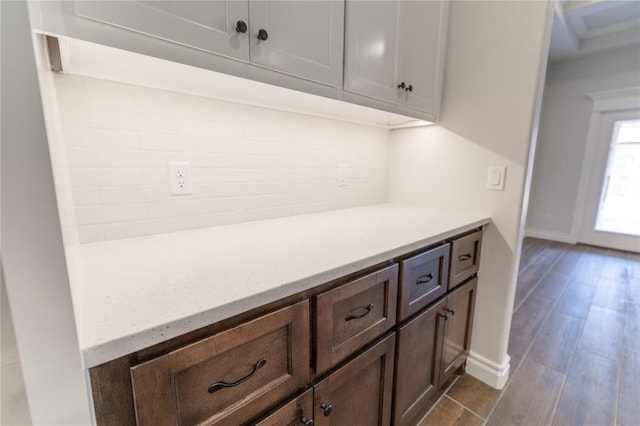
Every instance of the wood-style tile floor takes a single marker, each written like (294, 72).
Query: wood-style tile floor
(574, 346)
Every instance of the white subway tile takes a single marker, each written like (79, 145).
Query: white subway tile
(91, 234)
(86, 196)
(79, 157)
(116, 231)
(134, 194)
(248, 163)
(83, 137)
(96, 215)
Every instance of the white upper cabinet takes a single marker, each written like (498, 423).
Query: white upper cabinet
(214, 26)
(303, 38)
(394, 51)
(371, 49)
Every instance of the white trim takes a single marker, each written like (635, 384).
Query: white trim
(487, 371)
(611, 100)
(543, 234)
(606, 100)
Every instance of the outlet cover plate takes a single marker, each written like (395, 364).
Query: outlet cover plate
(180, 182)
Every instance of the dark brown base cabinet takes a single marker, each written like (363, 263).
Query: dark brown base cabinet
(458, 318)
(371, 349)
(360, 392)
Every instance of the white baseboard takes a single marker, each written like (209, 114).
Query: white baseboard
(561, 237)
(487, 371)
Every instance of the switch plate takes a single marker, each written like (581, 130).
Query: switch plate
(180, 178)
(496, 178)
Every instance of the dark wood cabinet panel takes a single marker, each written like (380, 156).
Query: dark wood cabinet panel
(423, 279)
(418, 364)
(297, 412)
(457, 328)
(352, 315)
(465, 258)
(360, 392)
(227, 378)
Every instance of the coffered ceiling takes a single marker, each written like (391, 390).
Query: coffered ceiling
(582, 28)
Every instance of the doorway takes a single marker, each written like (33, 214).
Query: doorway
(611, 216)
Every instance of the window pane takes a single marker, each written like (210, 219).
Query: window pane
(619, 209)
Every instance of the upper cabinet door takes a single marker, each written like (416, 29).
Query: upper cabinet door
(371, 49)
(212, 26)
(395, 51)
(423, 27)
(301, 38)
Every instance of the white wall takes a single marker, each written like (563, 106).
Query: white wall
(495, 55)
(32, 248)
(248, 163)
(563, 135)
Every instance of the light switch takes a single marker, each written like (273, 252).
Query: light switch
(496, 178)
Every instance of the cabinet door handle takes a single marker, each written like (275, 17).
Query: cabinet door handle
(423, 279)
(327, 409)
(367, 311)
(451, 311)
(402, 85)
(221, 385)
(444, 315)
(464, 257)
(306, 422)
(241, 27)
(409, 88)
(263, 34)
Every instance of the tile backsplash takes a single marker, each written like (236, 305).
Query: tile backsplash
(248, 163)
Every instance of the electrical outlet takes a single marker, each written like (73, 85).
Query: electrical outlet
(343, 180)
(180, 178)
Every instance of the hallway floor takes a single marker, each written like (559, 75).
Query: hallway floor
(574, 346)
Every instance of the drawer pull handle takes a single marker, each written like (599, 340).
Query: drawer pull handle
(221, 385)
(367, 311)
(423, 279)
(464, 257)
(306, 422)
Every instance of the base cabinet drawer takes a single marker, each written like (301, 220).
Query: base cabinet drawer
(423, 279)
(465, 258)
(352, 315)
(298, 412)
(228, 378)
(360, 392)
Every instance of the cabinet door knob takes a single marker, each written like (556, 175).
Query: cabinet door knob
(409, 88)
(306, 422)
(451, 311)
(241, 27)
(263, 34)
(327, 409)
(444, 315)
(402, 85)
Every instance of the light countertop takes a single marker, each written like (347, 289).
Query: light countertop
(131, 294)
